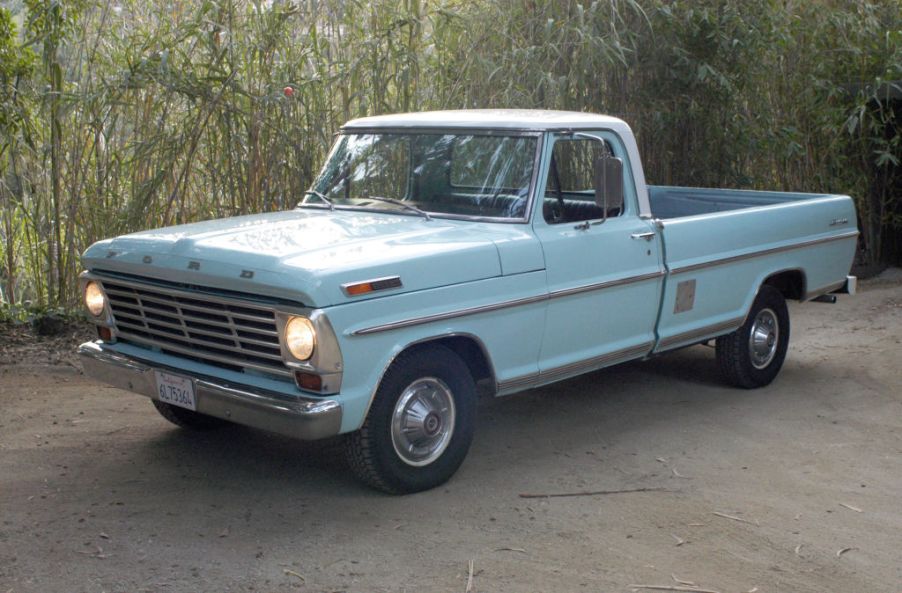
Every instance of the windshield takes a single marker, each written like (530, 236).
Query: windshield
(428, 174)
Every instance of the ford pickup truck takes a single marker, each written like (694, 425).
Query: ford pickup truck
(442, 255)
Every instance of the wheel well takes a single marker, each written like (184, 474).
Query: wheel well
(470, 350)
(790, 283)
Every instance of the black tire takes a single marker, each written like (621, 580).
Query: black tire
(185, 418)
(371, 451)
(740, 363)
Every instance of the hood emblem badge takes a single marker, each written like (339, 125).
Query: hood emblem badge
(147, 259)
(247, 273)
(193, 265)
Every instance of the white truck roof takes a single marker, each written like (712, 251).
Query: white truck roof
(506, 119)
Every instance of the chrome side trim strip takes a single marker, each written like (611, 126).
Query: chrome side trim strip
(516, 384)
(449, 315)
(597, 362)
(575, 368)
(700, 333)
(761, 253)
(602, 285)
(506, 304)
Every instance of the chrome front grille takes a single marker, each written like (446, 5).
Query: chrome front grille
(211, 329)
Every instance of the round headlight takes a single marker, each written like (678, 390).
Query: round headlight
(300, 337)
(95, 300)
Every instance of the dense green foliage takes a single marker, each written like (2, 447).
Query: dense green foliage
(124, 115)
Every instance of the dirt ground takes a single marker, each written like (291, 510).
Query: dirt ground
(99, 493)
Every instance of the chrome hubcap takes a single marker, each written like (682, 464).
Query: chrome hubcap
(763, 339)
(423, 421)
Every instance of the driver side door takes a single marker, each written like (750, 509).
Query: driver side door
(604, 278)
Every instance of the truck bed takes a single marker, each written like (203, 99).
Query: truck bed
(717, 243)
(676, 202)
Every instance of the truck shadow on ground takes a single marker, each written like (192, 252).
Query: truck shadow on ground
(593, 409)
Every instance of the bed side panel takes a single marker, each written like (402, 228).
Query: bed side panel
(716, 262)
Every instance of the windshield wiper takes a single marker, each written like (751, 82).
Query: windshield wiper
(327, 201)
(404, 205)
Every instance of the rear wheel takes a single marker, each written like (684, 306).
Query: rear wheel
(187, 418)
(420, 424)
(752, 355)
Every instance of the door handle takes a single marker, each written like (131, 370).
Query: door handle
(648, 236)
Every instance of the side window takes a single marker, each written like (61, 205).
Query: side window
(570, 188)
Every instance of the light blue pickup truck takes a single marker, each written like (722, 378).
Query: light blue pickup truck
(445, 254)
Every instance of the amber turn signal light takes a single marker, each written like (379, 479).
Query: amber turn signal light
(358, 289)
(308, 381)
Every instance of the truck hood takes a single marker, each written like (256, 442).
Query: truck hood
(306, 255)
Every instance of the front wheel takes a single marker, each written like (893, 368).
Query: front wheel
(752, 355)
(420, 424)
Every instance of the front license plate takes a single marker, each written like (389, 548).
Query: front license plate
(175, 390)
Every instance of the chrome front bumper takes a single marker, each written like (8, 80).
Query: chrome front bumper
(299, 417)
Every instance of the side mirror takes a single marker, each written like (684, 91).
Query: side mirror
(609, 184)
